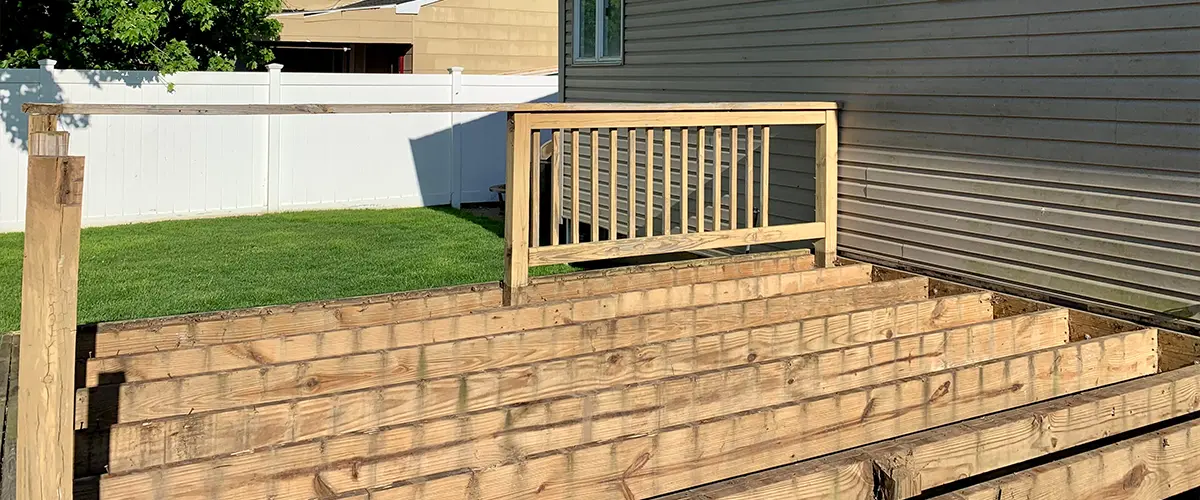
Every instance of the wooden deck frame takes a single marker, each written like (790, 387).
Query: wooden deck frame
(49, 297)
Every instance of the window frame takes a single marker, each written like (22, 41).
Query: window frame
(596, 60)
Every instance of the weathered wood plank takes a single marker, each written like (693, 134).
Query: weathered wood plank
(8, 449)
(178, 332)
(138, 445)
(49, 305)
(308, 109)
(652, 245)
(516, 209)
(826, 185)
(1156, 465)
(556, 180)
(673, 458)
(384, 457)
(934, 458)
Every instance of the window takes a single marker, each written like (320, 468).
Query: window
(599, 31)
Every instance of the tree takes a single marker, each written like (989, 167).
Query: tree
(160, 35)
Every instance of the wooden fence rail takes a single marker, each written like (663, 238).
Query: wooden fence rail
(49, 293)
(655, 181)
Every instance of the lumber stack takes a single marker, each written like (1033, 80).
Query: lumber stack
(744, 377)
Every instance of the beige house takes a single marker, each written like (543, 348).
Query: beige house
(419, 36)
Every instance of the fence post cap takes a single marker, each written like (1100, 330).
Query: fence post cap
(275, 67)
(457, 70)
(47, 63)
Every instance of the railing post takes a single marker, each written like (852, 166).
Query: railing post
(516, 209)
(827, 188)
(49, 299)
(274, 144)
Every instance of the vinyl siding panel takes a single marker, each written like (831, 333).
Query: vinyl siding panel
(1051, 148)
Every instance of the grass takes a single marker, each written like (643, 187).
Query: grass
(174, 267)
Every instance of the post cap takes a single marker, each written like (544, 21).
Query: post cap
(275, 67)
(47, 63)
(457, 70)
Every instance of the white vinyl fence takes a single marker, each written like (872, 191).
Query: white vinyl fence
(142, 168)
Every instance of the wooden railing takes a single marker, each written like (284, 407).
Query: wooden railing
(651, 179)
(689, 218)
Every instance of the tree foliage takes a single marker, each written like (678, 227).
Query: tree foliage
(161, 35)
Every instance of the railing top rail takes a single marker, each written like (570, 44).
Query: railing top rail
(321, 109)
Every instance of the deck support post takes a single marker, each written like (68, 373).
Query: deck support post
(516, 210)
(827, 188)
(49, 300)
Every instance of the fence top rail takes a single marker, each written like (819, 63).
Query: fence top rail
(321, 109)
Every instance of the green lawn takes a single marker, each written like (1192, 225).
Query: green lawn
(163, 268)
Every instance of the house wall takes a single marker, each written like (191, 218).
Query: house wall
(483, 36)
(1051, 148)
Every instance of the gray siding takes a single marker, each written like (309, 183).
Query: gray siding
(1051, 147)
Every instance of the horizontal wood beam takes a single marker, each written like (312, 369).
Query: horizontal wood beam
(653, 245)
(160, 335)
(232, 430)
(680, 456)
(595, 120)
(319, 109)
(1156, 465)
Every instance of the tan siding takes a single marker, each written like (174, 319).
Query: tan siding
(486, 36)
(482, 36)
(1047, 146)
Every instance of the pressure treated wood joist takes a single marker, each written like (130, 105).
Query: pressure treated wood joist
(586, 324)
(228, 430)
(678, 457)
(559, 319)
(478, 441)
(911, 465)
(193, 330)
(1156, 465)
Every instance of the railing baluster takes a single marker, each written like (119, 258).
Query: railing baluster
(575, 186)
(612, 184)
(595, 176)
(700, 209)
(718, 196)
(684, 172)
(556, 188)
(733, 177)
(750, 176)
(667, 181)
(766, 174)
(535, 190)
(650, 182)
(632, 229)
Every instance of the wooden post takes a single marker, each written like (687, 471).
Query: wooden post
(49, 299)
(827, 188)
(516, 210)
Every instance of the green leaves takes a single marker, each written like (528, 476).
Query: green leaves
(162, 35)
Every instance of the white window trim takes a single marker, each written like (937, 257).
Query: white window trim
(576, 59)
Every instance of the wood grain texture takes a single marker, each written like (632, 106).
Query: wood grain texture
(734, 148)
(750, 176)
(431, 349)
(245, 325)
(718, 166)
(612, 183)
(594, 175)
(575, 216)
(668, 189)
(516, 210)
(483, 440)
(1156, 465)
(586, 119)
(701, 168)
(556, 181)
(827, 188)
(535, 189)
(307, 109)
(673, 458)
(631, 210)
(685, 172)
(49, 306)
(652, 245)
(933, 458)
(179, 438)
